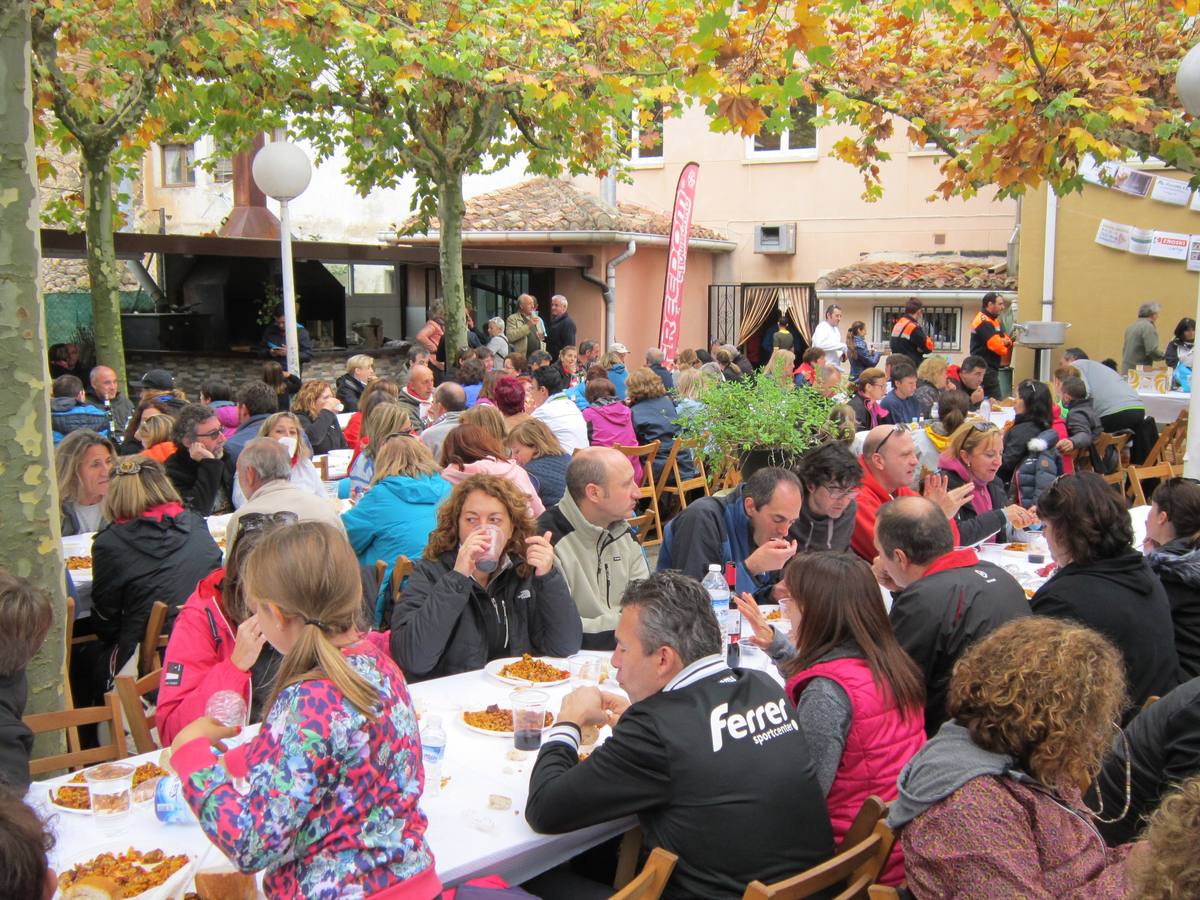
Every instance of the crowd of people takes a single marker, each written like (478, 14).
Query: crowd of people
(1019, 740)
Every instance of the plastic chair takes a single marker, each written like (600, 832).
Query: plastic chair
(110, 713)
(141, 724)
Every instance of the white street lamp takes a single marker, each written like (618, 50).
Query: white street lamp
(1187, 85)
(282, 171)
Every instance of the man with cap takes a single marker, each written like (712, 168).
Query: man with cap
(160, 384)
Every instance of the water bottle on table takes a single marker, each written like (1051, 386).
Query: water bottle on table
(719, 595)
(433, 749)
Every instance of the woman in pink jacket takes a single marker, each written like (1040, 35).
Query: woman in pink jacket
(469, 450)
(609, 421)
(216, 645)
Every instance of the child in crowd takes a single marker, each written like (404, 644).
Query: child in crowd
(1083, 424)
(24, 840)
(25, 617)
(335, 773)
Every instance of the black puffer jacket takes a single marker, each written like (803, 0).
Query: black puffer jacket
(973, 526)
(323, 433)
(1178, 568)
(155, 557)
(447, 623)
(1016, 445)
(1164, 749)
(1121, 599)
(349, 392)
(16, 740)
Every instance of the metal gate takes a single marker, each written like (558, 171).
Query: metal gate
(724, 312)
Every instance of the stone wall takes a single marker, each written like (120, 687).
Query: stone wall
(190, 370)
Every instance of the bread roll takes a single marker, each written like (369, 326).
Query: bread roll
(226, 886)
(93, 887)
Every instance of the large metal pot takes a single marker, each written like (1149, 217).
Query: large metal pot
(1041, 334)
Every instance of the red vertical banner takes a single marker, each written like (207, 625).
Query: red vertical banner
(677, 250)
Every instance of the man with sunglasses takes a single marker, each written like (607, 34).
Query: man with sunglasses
(889, 461)
(199, 468)
(832, 477)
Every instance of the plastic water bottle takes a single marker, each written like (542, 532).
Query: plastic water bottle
(433, 748)
(228, 708)
(718, 593)
(933, 412)
(169, 804)
(733, 624)
(985, 409)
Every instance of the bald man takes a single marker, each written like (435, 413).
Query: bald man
(593, 545)
(417, 395)
(889, 461)
(105, 393)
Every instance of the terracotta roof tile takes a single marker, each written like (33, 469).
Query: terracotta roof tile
(550, 204)
(956, 275)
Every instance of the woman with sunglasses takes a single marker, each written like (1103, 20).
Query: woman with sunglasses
(153, 549)
(216, 644)
(1173, 551)
(973, 456)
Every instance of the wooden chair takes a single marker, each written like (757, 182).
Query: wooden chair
(871, 812)
(149, 657)
(1083, 458)
(401, 570)
(672, 481)
(1151, 700)
(131, 691)
(882, 892)
(648, 522)
(110, 713)
(1171, 443)
(856, 868)
(648, 884)
(1138, 474)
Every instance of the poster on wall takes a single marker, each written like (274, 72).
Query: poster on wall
(1139, 240)
(1131, 181)
(1193, 257)
(1171, 190)
(1113, 234)
(1169, 245)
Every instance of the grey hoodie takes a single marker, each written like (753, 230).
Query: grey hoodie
(815, 533)
(948, 761)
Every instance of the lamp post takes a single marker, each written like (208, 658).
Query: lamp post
(282, 171)
(1187, 85)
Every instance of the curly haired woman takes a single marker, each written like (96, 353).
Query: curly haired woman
(454, 616)
(1168, 867)
(991, 806)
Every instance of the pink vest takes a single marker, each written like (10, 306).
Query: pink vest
(878, 745)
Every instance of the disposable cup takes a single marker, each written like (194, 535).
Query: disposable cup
(529, 718)
(110, 786)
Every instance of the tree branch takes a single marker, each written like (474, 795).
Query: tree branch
(1026, 37)
(45, 53)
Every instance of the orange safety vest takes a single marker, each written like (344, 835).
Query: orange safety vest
(999, 343)
(904, 328)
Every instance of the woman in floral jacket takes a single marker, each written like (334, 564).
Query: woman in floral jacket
(334, 777)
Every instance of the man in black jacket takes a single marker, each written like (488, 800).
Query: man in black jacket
(561, 330)
(710, 759)
(199, 468)
(748, 527)
(943, 600)
(105, 393)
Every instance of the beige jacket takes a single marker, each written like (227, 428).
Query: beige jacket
(282, 496)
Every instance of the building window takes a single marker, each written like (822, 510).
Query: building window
(222, 170)
(178, 165)
(942, 323)
(797, 141)
(646, 136)
(493, 292)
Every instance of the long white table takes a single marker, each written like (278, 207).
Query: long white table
(1165, 408)
(467, 838)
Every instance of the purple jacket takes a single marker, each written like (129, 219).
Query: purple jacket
(610, 423)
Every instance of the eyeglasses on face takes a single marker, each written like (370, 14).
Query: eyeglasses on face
(209, 435)
(843, 493)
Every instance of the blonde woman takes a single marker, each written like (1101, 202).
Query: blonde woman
(154, 434)
(973, 455)
(539, 453)
(780, 367)
(154, 549)
(394, 517)
(318, 409)
(386, 419)
(285, 428)
(931, 381)
(81, 464)
(488, 418)
(360, 371)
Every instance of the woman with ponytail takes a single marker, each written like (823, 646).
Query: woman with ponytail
(334, 776)
(933, 439)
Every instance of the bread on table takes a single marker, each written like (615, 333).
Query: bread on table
(226, 886)
(93, 887)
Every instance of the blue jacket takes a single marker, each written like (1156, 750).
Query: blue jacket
(246, 432)
(67, 414)
(617, 375)
(902, 411)
(394, 518)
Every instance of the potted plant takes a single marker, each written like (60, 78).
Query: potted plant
(760, 422)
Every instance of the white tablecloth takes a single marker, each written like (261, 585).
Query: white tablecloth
(1165, 408)
(477, 766)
